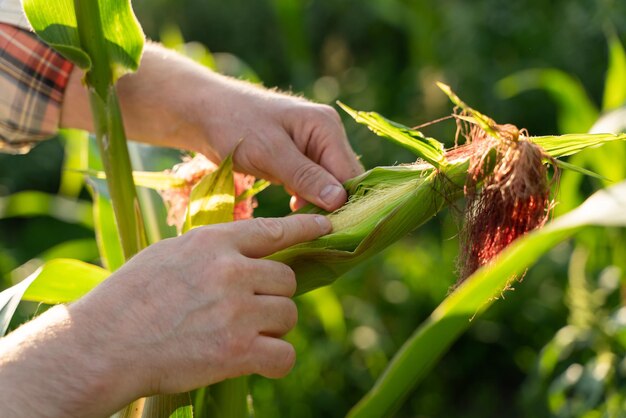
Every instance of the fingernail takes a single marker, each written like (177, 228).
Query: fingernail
(324, 223)
(333, 196)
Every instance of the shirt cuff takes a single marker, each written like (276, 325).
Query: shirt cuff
(33, 78)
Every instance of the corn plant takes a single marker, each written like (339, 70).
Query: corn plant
(385, 204)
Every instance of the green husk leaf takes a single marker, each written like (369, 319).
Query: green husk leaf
(320, 262)
(428, 149)
(256, 188)
(563, 145)
(212, 199)
(412, 195)
(485, 122)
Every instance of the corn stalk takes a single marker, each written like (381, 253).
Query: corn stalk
(104, 38)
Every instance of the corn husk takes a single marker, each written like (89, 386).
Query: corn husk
(386, 203)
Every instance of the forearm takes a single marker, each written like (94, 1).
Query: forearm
(54, 367)
(168, 102)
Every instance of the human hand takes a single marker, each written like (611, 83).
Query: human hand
(286, 140)
(200, 308)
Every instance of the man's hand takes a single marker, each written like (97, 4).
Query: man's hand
(285, 139)
(172, 101)
(184, 313)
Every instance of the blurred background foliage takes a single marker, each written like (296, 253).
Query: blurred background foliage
(552, 347)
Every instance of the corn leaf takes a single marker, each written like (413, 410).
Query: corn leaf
(256, 188)
(615, 84)
(156, 180)
(212, 199)
(105, 228)
(64, 280)
(28, 204)
(580, 170)
(83, 249)
(56, 23)
(75, 150)
(428, 149)
(58, 281)
(562, 145)
(454, 315)
(9, 299)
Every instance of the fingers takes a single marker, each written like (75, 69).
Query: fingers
(330, 143)
(296, 202)
(261, 237)
(307, 179)
(271, 357)
(281, 315)
(273, 278)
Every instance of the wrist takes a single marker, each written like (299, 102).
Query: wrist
(53, 367)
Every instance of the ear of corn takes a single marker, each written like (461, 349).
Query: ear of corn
(387, 203)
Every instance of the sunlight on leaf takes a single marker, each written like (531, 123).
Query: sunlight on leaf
(55, 22)
(64, 280)
(428, 149)
(212, 199)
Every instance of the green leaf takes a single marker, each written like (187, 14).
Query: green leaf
(10, 298)
(76, 145)
(615, 84)
(64, 280)
(328, 308)
(115, 37)
(212, 199)
(563, 145)
(576, 111)
(428, 149)
(454, 315)
(106, 233)
(256, 188)
(83, 249)
(57, 281)
(485, 122)
(31, 203)
(156, 180)
(580, 170)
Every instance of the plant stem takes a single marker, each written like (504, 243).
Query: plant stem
(109, 129)
(112, 142)
(231, 398)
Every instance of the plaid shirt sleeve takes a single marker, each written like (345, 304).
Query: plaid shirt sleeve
(33, 78)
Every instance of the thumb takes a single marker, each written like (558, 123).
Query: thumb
(309, 181)
(260, 237)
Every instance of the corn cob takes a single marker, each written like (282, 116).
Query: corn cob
(387, 203)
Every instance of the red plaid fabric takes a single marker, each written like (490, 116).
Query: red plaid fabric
(33, 78)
